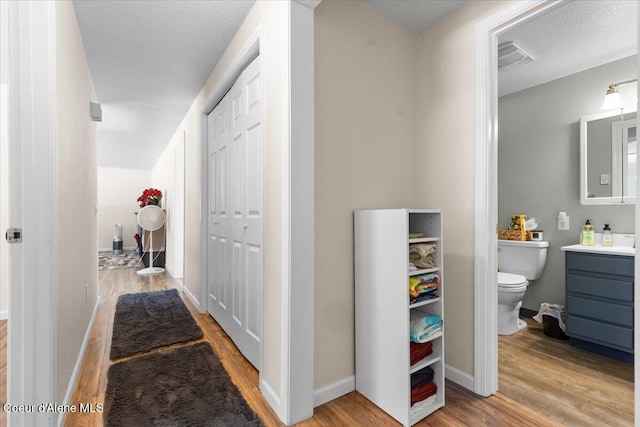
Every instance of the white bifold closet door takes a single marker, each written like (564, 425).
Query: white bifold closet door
(235, 249)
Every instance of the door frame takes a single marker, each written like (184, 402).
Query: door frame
(32, 331)
(486, 194)
(295, 400)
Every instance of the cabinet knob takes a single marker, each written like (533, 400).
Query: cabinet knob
(245, 226)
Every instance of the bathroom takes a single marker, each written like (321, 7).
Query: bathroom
(539, 149)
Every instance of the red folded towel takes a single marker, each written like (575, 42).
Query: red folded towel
(423, 392)
(419, 351)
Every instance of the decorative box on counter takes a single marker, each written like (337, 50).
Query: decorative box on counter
(514, 235)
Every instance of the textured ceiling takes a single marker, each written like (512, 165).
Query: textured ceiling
(149, 60)
(571, 38)
(416, 15)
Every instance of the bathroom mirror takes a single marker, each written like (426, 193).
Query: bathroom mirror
(608, 145)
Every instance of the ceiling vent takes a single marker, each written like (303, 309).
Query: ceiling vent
(511, 55)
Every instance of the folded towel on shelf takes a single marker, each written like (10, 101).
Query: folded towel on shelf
(421, 283)
(412, 267)
(422, 255)
(424, 326)
(417, 352)
(423, 376)
(416, 235)
(425, 295)
(423, 392)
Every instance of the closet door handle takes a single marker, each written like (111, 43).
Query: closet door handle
(245, 226)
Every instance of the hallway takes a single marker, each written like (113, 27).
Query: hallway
(463, 407)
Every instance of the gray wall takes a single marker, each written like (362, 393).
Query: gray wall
(539, 165)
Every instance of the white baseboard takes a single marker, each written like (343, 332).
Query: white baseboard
(333, 391)
(273, 400)
(458, 377)
(4, 314)
(76, 369)
(193, 299)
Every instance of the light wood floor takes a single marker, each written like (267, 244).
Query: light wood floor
(575, 387)
(463, 408)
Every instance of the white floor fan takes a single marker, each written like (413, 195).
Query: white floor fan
(151, 218)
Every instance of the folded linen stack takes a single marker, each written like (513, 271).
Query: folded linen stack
(423, 287)
(422, 255)
(419, 351)
(422, 392)
(424, 326)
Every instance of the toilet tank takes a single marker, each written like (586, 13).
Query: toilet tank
(525, 258)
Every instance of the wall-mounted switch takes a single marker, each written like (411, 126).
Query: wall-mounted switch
(604, 179)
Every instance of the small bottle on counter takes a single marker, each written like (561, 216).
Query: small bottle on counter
(607, 238)
(588, 235)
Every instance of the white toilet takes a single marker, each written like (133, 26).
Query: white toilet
(518, 262)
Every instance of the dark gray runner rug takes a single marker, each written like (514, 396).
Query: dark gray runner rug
(150, 320)
(185, 386)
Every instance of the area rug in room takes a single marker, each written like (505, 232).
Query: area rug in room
(185, 386)
(150, 320)
(109, 261)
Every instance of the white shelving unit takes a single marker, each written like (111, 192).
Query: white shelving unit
(383, 370)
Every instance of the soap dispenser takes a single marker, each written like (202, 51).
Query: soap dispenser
(588, 235)
(607, 238)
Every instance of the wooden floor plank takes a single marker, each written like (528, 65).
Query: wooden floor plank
(463, 408)
(575, 387)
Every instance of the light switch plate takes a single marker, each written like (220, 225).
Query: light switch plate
(604, 179)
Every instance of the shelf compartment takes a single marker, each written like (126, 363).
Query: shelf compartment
(424, 271)
(436, 336)
(421, 410)
(425, 302)
(424, 240)
(427, 361)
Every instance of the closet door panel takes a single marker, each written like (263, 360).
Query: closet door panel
(253, 204)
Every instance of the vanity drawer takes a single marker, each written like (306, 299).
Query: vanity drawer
(594, 331)
(598, 263)
(614, 288)
(600, 310)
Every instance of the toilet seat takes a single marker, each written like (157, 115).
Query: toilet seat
(508, 282)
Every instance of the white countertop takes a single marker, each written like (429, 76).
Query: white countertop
(598, 249)
(623, 244)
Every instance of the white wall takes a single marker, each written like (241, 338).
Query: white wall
(365, 68)
(77, 188)
(270, 16)
(446, 143)
(118, 192)
(162, 177)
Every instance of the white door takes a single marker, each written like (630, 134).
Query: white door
(236, 267)
(252, 173)
(218, 246)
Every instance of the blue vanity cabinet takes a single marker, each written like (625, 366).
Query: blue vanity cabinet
(599, 303)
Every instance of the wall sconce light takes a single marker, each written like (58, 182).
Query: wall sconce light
(612, 99)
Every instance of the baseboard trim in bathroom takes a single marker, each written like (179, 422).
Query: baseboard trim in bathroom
(525, 312)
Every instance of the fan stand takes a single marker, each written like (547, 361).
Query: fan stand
(151, 269)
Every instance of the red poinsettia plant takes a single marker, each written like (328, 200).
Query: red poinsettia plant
(150, 196)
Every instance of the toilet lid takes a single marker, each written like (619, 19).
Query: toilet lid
(508, 279)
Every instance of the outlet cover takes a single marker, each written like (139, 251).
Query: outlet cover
(604, 179)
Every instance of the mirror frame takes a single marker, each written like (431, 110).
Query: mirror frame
(584, 200)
